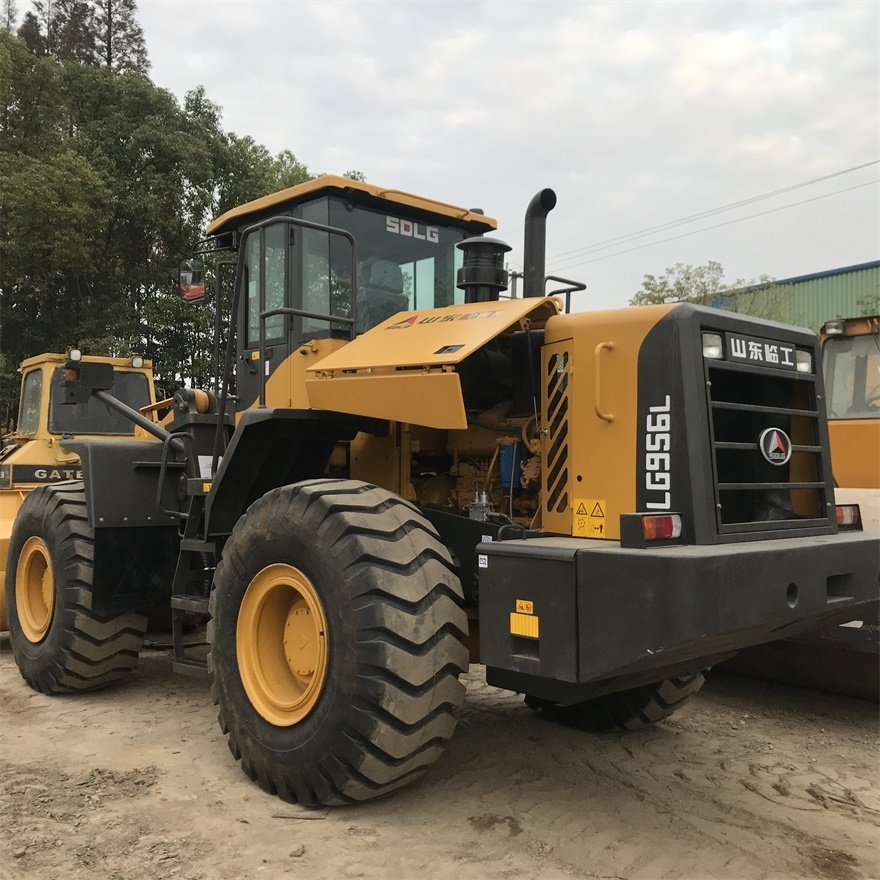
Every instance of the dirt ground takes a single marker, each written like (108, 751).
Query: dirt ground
(749, 780)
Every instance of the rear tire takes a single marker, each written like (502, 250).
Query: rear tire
(59, 643)
(356, 692)
(626, 710)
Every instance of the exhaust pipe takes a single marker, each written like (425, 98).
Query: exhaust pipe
(535, 244)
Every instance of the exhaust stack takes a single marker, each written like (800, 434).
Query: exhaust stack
(535, 245)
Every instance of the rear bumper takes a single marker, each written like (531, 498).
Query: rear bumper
(610, 618)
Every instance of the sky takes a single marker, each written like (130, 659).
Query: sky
(636, 114)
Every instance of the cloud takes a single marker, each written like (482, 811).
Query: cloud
(637, 113)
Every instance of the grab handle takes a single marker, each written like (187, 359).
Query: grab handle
(609, 346)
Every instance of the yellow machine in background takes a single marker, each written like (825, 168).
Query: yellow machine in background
(35, 453)
(851, 359)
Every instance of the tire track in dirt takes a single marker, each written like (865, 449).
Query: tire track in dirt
(748, 780)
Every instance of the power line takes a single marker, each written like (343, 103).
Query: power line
(717, 225)
(671, 224)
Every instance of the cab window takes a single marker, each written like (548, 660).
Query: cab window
(276, 268)
(31, 394)
(91, 416)
(852, 374)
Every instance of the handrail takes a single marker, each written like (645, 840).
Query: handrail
(574, 286)
(602, 346)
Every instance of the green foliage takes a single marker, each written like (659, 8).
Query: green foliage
(705, 285)
(106, 182)
(869, 306)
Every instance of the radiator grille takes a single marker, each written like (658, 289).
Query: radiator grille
(751, 493)
(556, 494)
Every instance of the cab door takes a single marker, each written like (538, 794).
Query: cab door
(266, 281)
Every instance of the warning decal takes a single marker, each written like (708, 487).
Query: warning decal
(588, 518)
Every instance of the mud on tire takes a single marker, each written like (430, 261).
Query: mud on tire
(80, 649)
(626, 710)
(390, 695)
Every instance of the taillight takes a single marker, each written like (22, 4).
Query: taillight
(660, 527)
(849, 516)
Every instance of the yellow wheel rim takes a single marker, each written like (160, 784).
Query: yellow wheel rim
(281, 644)
(34, 589)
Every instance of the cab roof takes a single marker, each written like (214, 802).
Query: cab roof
(53, 358)
(332, 183)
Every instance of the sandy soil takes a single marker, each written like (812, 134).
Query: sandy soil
(750, 780)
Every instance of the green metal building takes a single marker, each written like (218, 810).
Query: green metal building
(811, 300)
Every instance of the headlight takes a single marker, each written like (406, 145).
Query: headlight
(137, 361)
(74, 354)
(833, 328)
(713, 346)
(804, 361)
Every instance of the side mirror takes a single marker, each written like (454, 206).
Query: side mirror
(192, 281)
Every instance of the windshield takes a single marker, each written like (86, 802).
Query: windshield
(402, 264)
(852, 376)
(92, 416)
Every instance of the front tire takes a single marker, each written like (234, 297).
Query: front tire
(335, 642)
(59, 643)
(626, 710)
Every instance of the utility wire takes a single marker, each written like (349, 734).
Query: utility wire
(716, 226)
(662, 227)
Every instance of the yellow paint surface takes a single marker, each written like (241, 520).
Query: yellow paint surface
(525, 625)
(435, 337)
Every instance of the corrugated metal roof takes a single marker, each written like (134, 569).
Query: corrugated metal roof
(829, 273)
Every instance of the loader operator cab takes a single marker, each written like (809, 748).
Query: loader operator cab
(42, 409)
(406, 260)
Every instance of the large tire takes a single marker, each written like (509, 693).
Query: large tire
(59, 643)
(626, 710)
(4, 625)
(377, 697)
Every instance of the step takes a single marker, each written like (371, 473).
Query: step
(191, 604)
(196, 546)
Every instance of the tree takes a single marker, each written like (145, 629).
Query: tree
(63, 29)
(356, 175)
(75, 38)
(32, 34)
(705, 285)
(106, 182)
(8, 15)
(120, 39)
(289, 171)
(44, 10)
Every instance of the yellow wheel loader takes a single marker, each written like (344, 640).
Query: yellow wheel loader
(35, 453)
(411, 472)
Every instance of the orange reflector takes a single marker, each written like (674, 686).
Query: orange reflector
(849, 515)
(656, 527)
